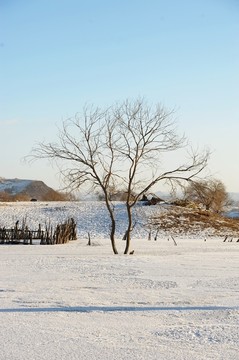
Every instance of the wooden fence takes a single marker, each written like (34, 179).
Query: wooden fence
(61, 234)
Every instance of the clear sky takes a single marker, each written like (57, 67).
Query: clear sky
(56, 55)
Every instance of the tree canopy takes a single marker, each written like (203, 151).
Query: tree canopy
(121, 146)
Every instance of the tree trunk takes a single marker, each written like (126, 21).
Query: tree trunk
(112, 237)
(112, 231)
(128, 232)
(128, 238)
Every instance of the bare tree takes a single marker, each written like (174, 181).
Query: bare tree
(145, 134)
(211, 194)
(85, 153)
(120, 147)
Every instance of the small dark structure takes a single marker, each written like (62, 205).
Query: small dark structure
(151, 201)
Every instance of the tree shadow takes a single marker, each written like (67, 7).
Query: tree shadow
(106, 309)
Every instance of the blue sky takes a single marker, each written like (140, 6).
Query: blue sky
(56, 55)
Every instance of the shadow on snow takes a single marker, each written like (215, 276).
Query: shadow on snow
(105, 309)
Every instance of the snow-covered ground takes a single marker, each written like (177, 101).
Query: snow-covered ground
(76, 301)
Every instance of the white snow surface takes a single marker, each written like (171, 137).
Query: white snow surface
(75, 301)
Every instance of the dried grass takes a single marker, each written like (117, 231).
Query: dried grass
(187, 220)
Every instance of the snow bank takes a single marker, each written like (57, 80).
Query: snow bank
(91, 217)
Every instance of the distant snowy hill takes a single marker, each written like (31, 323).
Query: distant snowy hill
(23, 188)
(14, 186)
(234, 196)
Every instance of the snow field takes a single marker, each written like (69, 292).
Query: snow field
(76, 301)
